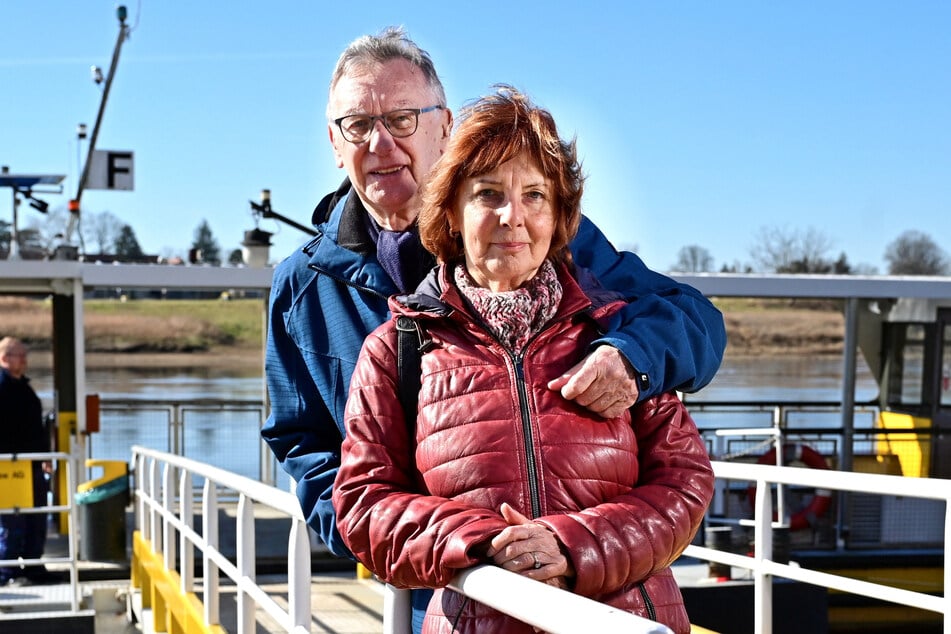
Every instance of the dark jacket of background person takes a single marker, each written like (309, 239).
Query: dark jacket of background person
(623, 496)
(21, 417)
(327, 297)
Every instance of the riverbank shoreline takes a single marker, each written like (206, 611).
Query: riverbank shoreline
(212, 333)
(787, 333)
(223, 357)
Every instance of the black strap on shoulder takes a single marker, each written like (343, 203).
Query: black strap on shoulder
(409, 352)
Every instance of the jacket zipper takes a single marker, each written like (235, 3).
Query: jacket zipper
(531, 464)
(651, 612)
(534, 494)
(345, 282)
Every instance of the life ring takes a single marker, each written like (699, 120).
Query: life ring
(820, 502)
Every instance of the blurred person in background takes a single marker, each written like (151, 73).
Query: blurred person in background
(22, 431)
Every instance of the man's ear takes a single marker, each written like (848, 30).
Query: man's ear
(447, 126)
(337, 145)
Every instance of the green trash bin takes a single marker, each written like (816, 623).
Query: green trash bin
(102, 503)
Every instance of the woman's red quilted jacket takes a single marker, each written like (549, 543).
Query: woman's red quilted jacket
(624, 496)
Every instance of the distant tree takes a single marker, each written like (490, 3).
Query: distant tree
(842, 266)
(100, 230)
(206, 245)
(126, 246)
(236, 258)
(781, 250)
(804, 265)
(48, 228)
(915, 253)
(736, 267)
(694, 259)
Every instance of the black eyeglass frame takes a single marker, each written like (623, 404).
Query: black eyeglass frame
(383, 118)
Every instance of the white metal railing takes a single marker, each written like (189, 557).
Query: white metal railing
(763, 567)
(165, 515)
(69, 507)
(547, 608)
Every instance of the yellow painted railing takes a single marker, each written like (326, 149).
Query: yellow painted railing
(173, 609)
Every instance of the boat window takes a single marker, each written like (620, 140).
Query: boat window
(912, 364)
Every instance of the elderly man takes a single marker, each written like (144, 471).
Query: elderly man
(388, 123)
(21, 535)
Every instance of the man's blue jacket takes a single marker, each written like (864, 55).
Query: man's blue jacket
(327, 297)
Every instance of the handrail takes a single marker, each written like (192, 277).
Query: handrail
(546, 607)
(161, 514)
(69, 508)
(763, 567)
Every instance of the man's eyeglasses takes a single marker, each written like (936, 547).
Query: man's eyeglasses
(356, 128)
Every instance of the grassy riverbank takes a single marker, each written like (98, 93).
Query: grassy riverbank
(180, 332)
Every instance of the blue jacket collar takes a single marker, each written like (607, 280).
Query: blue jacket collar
(343, 248)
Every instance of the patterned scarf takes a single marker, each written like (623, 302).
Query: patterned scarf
(516, 316)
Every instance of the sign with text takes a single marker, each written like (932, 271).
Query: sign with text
(16, 484)
(111, 169)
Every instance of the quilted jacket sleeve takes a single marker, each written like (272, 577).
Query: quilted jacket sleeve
(633, 536)
(405, 537)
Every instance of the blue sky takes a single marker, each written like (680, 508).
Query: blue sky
(699, 123)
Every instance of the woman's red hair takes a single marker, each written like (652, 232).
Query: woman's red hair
(491, 131)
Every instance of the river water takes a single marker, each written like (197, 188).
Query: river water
(230, 440)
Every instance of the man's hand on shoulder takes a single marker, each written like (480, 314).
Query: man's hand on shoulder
(604, 382)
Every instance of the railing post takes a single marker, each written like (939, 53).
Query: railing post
(246, 562)
(397, 611)
(175, 432)
(155, 527)
(209, 522)
(847, 450)
(71, 476)
(168, 504)
(298, 575)
(763, 551)
(187, 553)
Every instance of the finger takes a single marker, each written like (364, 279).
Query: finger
(522, 563)
(579, 380)
(611, 406)
(556, 384)
(513, 545)
(512, 516)
(506, 539)
(516, 541)
(540, 545)
(615, 409)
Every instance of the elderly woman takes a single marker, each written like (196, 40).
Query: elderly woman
(495, 466)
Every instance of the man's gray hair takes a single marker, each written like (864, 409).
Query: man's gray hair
(391, 43)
